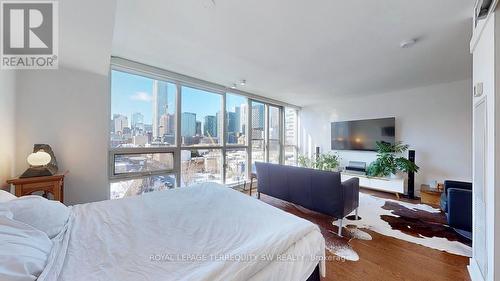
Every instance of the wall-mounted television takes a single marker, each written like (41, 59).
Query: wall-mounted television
(363, 134)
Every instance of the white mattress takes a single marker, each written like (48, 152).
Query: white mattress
(195, 233)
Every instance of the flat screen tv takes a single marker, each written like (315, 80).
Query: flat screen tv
(362, 134)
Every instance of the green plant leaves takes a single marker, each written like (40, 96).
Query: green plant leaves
(387, 163)
(325, 161)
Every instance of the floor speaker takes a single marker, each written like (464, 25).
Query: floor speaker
(411, 176)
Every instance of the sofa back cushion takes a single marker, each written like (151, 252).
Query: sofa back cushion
(313, 189)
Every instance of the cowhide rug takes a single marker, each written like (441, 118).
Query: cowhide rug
(416, 223)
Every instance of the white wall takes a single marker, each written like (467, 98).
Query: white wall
(69, 110)
(486, 57)
(7, 136)
(435, 120)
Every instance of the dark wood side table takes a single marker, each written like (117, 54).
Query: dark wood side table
(430, 196)
(49, 184)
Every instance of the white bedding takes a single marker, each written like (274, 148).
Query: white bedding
(194, 233)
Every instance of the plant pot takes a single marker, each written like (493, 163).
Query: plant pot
(395, 176)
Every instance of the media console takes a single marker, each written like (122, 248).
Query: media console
(394, 185)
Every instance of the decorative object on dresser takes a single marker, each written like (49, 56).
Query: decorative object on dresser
(48, 184)
(42, 162)
(430, 196)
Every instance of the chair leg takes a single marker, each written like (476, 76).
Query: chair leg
(357, 217)
(340, 227)
(251, 184)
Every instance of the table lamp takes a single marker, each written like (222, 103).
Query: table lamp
(42, 162)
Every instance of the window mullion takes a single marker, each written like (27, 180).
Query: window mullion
(223, 138)
(178, 142)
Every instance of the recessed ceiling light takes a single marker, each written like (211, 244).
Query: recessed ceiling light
(233, 86)
(243, 82)
(408, 43)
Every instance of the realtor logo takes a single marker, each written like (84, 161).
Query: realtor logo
(29, 31)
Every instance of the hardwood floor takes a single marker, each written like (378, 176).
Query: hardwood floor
(385, 258)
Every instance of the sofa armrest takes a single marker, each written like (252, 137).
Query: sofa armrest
(350, 190)
(460, 208)
(457, 184)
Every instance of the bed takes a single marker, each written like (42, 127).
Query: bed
(203, 232)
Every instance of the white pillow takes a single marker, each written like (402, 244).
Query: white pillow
(24, 250)
(6, 196)
(46, 215)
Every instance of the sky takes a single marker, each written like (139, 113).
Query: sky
(132, 93)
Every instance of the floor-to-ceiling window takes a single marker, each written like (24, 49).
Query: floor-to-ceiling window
(291, 127)
(258, 134)
(202, 136)
(166, 133)
(142, 134)
(236, 149)
(274, 134)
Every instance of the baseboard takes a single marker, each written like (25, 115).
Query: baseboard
(474, 272)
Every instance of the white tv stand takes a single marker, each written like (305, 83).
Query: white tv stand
(394, 185)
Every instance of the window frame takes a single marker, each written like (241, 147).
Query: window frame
(134, 68)
(296, 128)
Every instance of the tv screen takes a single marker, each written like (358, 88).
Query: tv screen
(362, 134)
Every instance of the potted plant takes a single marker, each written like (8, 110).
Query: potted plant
(323, 161)
(388, 163)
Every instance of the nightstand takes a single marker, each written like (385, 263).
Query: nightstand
(49, 184)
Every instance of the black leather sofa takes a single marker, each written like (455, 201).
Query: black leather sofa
(316, 190)
(456, 202)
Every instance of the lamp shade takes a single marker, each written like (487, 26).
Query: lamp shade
(40, 158)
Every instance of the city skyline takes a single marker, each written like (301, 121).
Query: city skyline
(134, 94)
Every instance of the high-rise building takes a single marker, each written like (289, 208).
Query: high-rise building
(160, 105)
(290, 126)
(198, 128)
(258, 116)
(188, 124)
(163, 126)
(137, 118)
(170, 124)
(243, 117)
(120, 122)
(258, 120)
(232, 120)
(210, 126)
(237, 121)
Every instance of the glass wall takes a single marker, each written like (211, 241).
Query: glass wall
(236, 116)
(142, 111)
(201, 119)
(120, 189)
(258, 133)
(236, 164)
(201, 165)
(274, 134)
(165, 134)
(291, 136)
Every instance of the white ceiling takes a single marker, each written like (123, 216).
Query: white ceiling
(301, 52)
(85, 41)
